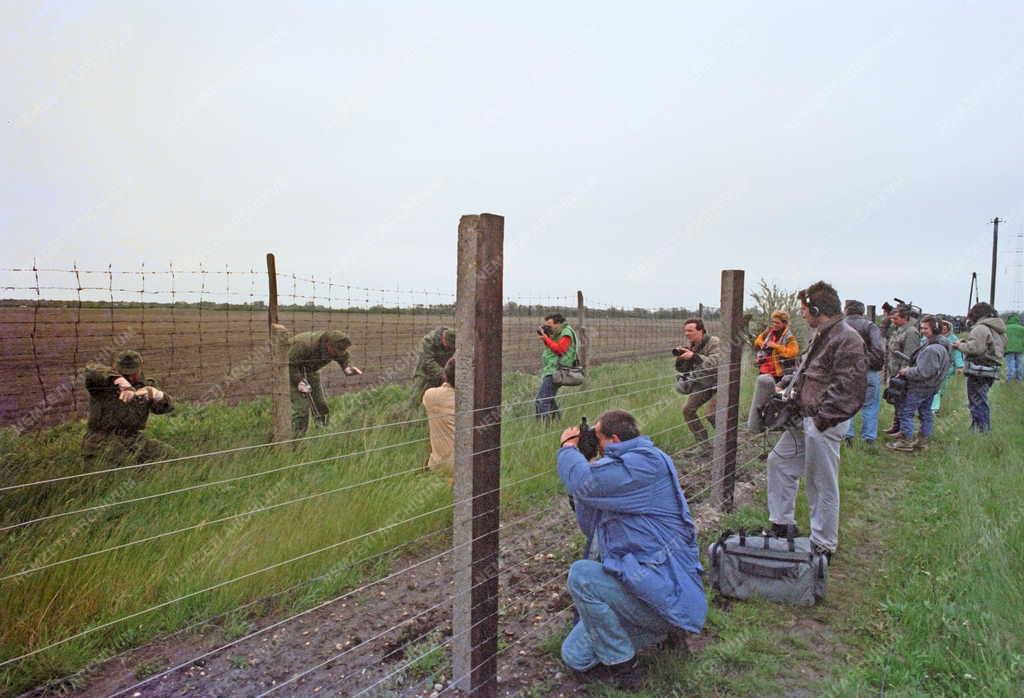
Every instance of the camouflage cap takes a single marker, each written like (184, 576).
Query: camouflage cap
(128, 361)
(449, 338)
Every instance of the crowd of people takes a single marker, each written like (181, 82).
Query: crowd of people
(639, 583)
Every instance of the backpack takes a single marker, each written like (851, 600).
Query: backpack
(874, 351)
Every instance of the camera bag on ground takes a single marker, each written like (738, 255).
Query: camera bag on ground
(569, 376)
(783, 570)
(896, 391)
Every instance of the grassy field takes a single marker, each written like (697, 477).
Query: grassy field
(925, 595)
(375, 499)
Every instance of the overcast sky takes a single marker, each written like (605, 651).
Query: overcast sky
(634, 152)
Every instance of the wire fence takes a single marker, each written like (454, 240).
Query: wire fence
(353, 517)
(203, 332)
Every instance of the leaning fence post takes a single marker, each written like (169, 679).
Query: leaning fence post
(478, 323)
(277, 335)
(583, 350)
(723, 471)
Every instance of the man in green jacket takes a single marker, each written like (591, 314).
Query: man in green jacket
(310, 352)
(1014, 349)
(699, 360)
(560, 347)
(435, 349)
(120, 402)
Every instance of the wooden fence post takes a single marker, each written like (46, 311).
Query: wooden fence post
(583, 350)
(723, 470)
(478, 323)
(277, 335)
(871, 313)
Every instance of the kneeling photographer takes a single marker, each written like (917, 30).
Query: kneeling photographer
(924, 377)
(629, 506)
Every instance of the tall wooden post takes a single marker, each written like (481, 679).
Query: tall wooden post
(872, 313)
(583, 350)
(723, 470)
(478, 323)
(280, 397)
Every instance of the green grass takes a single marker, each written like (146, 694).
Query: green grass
(926, 593)
(59, 602)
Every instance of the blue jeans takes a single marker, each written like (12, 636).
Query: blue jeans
(869, 412)
(614, 625)
(918, 403)
(1014, 369)
(977, 401)
(545, 405)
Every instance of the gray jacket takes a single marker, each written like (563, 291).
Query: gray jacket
(986, 343)
(905, 340)
(930, 364)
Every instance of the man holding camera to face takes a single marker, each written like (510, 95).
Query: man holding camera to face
(697, 366)
(560, 349)
(648, 583)
(828, 389)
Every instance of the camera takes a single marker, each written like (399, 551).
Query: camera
(544, 329)
(676, 351)
(587, 444)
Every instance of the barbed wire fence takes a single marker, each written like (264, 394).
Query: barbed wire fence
(418, 534)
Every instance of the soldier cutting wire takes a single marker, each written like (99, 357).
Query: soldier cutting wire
(310, 352)
(120, 402)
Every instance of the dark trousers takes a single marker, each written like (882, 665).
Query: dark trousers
(977, 401)
(545, 405)
(920, 404)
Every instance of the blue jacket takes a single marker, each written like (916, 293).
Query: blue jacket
(632, 499)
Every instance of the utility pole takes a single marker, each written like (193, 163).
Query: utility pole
(995, 251)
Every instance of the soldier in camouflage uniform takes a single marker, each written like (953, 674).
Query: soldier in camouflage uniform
(435, 349)
(120, 402)
(309, 352)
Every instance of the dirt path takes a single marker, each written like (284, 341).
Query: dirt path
(391, 636)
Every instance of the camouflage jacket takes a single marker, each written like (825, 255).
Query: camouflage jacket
(432, 358)
(307, 354)
(904, 339)
(107, 414)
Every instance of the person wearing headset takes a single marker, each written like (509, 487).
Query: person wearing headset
(829, 388)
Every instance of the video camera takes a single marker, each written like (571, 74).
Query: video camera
(915, 311)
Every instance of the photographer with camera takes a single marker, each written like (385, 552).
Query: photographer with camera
(983, 350)
(697, 371)
(777, 352)
(776, 347)
(924, 378)
(648, 582)
(560, 350)
(904, 339)
(828, 388)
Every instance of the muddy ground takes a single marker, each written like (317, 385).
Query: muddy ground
(391, 637)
